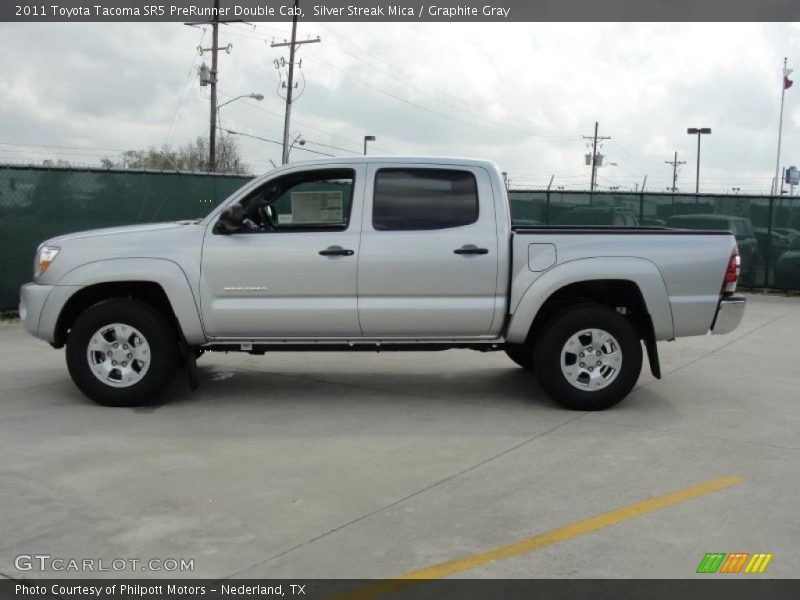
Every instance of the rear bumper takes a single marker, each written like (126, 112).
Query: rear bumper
(729, 315)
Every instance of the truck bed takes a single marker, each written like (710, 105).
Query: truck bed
(679, 272)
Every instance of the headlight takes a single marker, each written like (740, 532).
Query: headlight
(44, 256)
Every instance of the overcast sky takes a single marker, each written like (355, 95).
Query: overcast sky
(519, 94)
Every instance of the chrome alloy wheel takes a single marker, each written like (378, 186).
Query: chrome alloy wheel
(591, 359)
(118, 355)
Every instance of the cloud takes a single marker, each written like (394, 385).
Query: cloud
(520, 94)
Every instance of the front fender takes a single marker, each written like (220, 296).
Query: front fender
(640, 271)
(166, 273)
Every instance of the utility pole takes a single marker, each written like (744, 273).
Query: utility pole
(594, 139)
(212, 129)
(290, 83)
(675, 164)
(209, 78)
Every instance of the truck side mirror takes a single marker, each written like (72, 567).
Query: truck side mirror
(230, 220)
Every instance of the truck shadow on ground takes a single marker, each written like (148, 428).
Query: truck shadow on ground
(498, 387)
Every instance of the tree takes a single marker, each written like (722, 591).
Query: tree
(190, 157)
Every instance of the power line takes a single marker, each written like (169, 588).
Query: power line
(305, 125)
(54, 146)
(491, 128)
(632, 158)
(263, 139)
(184, 93)
(365, 57)
(56, 153)
(453, 118)
(331, 146)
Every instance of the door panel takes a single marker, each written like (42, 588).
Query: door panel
(414, 283)
(277, 284)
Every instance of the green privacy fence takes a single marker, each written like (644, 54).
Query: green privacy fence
(767, 228)
(40, 202)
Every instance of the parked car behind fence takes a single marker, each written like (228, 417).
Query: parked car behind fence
(740, 227)
(787, 269)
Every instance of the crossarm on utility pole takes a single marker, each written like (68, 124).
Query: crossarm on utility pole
(293, 44)
(594, 139)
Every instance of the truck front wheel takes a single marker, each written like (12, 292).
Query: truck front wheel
(588, 357)
(121, 352)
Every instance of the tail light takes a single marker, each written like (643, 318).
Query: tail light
(732, 272)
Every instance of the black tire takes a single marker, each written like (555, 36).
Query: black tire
(160, 337)
(522, 354)
(555, 335)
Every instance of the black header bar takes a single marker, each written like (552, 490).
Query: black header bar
(408, 11)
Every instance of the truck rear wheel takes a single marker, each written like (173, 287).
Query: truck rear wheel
(589, 357)
(121, 352)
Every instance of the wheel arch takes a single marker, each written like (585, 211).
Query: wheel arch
(634, 284)
(160, 283)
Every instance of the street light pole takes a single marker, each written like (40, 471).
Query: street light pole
(254, 96)
(368, 138)
(296, 140)
(698, 131)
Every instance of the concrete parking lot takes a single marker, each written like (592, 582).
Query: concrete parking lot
(376, 465)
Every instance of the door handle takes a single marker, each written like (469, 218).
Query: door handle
(336, 251)
(471, 250)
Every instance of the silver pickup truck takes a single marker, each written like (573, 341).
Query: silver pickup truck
(377, 254)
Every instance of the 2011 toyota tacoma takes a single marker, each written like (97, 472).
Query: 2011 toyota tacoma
(383, 254)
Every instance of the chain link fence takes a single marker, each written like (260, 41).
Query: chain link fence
(37, 203)
(767, 228)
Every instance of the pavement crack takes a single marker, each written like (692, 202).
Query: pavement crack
(414, 494)
(690, 435)
(715, 350)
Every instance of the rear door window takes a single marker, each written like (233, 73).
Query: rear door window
(423, 199)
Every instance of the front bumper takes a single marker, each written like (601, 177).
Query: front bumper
(32, 298)
(729, 315)
(40, 306)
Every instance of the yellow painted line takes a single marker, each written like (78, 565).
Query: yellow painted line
(562, 534)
